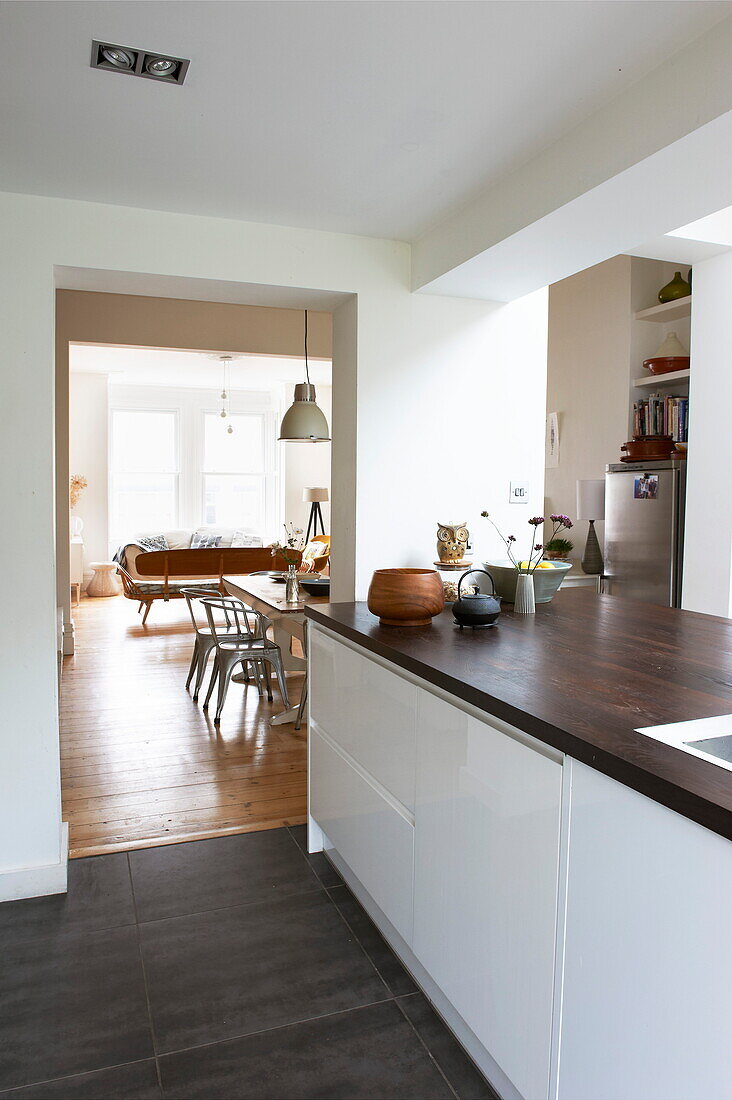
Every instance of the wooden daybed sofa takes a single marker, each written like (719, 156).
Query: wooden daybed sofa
(170, 571)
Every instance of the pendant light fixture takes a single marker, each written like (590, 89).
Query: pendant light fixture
(304, 422)
(225, 392)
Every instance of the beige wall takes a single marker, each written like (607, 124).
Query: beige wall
(587, 380)
(595, 350)
(139, 321)
(88, 456)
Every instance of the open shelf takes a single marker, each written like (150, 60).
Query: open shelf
(667, 311)
(657, 381)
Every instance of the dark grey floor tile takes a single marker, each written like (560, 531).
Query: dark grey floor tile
(209, 874)
(319, 862)
(229, 972)
(99, 896)
(69, 1004)
(137, 1081)
(460, 1070)
(370, 1052)
(300, 835)
(396, 977)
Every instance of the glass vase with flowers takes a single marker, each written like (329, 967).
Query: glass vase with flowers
(290, 550)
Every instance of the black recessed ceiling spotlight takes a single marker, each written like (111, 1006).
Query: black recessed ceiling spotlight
(120, 59)
(127, 59)
(160, 66)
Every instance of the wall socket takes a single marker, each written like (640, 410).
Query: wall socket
(519, 492)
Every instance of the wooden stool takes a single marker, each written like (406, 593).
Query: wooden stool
(104, 582)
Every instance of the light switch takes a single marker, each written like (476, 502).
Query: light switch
(519, 492)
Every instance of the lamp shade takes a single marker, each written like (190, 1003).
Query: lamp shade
(304, 421)
(591, 499)
(311, 495)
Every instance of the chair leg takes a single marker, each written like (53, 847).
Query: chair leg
(267, 678)
(139, 607)
(203, 652)
(301, 706)
(212, 682)
(276, 661)
(257, 667)
(226, 667)
(194, 663)
(147, 612)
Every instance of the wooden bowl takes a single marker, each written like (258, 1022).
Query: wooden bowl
(664, 364)
(648, 448)
(406, 597)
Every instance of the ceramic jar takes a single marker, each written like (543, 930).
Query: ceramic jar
(677, 288)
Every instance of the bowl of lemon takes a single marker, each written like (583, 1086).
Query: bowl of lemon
(548, 577)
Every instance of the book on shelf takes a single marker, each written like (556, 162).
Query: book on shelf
(662, 414)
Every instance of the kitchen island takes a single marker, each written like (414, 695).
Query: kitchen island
(558, 882)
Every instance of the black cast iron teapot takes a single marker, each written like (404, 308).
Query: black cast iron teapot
(476, 609)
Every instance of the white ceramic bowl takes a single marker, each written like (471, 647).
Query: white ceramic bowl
(546, 581)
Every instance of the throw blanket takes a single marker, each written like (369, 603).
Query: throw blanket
(156, 542)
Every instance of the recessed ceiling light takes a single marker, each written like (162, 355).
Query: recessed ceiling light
(121, 59)
(160, 66)
(128, 59)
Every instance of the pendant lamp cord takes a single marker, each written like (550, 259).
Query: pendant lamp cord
(307, 372)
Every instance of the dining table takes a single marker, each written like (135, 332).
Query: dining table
(266, 594)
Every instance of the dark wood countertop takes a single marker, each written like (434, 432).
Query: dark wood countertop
(582, 675)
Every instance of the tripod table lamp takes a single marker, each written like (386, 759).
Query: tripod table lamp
(313, 497)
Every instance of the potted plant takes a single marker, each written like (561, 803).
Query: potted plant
(558, 549)
(515, 580)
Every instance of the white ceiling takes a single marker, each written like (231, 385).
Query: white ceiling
(164, 367)
(377, 118)
(715, 229)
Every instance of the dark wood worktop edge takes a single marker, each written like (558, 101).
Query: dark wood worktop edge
(675, 797)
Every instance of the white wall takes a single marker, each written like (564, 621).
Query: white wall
(708, 550)
(450, 406)
(88, 455)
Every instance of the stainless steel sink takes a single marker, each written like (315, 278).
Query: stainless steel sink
(721, 747)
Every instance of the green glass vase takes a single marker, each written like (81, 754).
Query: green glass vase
(677, 288)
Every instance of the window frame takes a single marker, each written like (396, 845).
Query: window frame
(114, 407)
(263, 475)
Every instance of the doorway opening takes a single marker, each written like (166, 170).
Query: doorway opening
(143, 763)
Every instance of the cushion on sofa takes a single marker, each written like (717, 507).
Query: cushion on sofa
(243, 537)
(201, 540)
(153, 542)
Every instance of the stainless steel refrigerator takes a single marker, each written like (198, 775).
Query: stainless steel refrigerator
(644, 530)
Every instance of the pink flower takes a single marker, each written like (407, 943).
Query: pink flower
(561, 519)
(536, 521)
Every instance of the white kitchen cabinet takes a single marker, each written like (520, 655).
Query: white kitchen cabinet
(487, 836)
(647, 999)
(367, 710)
(370, 833)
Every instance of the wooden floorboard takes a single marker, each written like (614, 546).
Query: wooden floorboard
(142, 764)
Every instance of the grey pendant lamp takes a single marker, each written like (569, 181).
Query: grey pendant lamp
(304, 421)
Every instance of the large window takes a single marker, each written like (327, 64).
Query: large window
(144, 472)
(233, 470)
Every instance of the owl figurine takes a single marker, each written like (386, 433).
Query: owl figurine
(452, 541)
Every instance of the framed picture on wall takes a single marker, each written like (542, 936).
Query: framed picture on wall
(551, 449)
